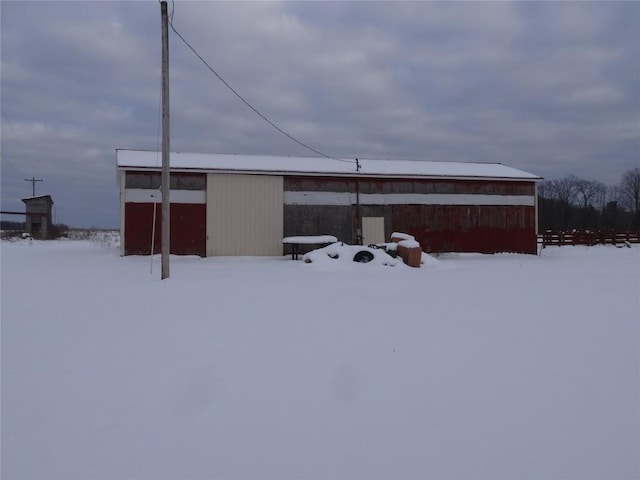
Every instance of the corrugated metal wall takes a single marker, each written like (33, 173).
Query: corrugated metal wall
(187, 229)
(320, 220)
(249, 214)
(244, 214)
(444, 215)
(485, 229)
(138, 191)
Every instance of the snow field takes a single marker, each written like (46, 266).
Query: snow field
(474, 366)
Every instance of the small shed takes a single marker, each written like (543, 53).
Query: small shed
(38, 213)
(246, 204)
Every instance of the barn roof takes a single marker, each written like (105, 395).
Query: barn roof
(266, 164)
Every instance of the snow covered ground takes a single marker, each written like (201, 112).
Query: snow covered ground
(474, 366)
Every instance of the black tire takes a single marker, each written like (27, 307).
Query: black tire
(363, 256)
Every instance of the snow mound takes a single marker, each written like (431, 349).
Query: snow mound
(342, 253)
(402, 236)
(427, 260)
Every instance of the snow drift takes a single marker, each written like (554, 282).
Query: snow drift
(480, 366)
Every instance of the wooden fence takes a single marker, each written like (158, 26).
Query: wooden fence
(587, 238)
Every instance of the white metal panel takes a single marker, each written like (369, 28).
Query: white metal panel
(345, 198)
(372, 230)
(144, 195)
(244, 214)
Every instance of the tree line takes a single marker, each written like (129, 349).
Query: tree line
(573, 203)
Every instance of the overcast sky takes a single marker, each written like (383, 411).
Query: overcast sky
(552, 88)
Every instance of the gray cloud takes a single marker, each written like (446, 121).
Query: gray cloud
(548, 87)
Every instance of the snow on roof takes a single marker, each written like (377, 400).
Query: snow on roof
(38, 197)
(133, 159)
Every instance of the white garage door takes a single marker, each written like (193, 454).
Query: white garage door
(244, 214)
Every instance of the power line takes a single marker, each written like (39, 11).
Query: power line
(33, 180)
(4, 157)
(261, 115)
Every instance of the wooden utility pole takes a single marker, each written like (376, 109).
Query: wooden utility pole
(166, 241)
(33, 181)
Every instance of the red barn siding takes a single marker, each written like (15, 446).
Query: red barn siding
(188, 229)
(484, 229)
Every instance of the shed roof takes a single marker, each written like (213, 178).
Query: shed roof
(267, 164)
(38, 197)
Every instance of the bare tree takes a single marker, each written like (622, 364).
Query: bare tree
(589, 193)
(613, 217)
(630, 191)
(544, 189)
(613, 194)
(565, 189)
(630, 195)
(572, 202)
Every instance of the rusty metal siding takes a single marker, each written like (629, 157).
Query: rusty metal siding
(188, 229)
(177, 180)
(334, 220)
(318, 184)
(244, 214)
(460, 226)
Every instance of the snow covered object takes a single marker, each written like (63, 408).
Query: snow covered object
(350, 253)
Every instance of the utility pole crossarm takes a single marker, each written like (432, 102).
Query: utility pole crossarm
(33, 181)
